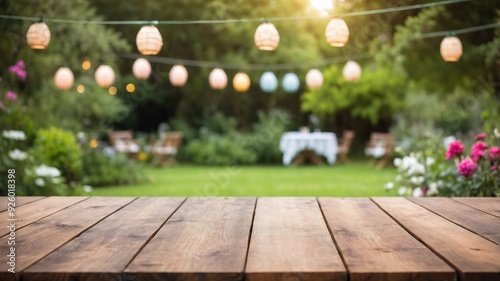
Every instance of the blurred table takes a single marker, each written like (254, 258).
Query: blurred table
(301, 146)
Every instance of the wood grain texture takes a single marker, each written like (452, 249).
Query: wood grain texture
(290, 241)
(29, 213)
(108, 246)
(474, 220)
(42, 237)
(475, 257)
(374, 247)
(20, 200)
(205, 239)
(489, 205)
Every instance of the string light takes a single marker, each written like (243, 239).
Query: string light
(149, 40)
(112, 91)
(241, 82)
(266, 37)
(38, 36)
(451, 49)
(351, 71)
(86, 65)
(104, 76)
(130, 87)
(80, 89)
(64, 78)
(337, 32)
(178, 76)
(141, 69)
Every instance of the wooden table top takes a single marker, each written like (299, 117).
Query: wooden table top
(271, 238)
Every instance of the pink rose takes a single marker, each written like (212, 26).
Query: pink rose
(480, 137)
(467, 167)
(11, 95)
(477, 151)
(455, 149)
(494, 153)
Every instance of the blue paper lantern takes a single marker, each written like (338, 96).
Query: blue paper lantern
(268, 82)
(291, 83)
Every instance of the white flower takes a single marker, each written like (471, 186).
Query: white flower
(397, 162)
(417, 180)
(429, 161)
(14, 135)
(87, 188)
(389, 185)
(496, 132)
(46, 171)
(39, 182)
(402, 191)
(448, 140)
(433, 189)
(417, 192)
(17, 154)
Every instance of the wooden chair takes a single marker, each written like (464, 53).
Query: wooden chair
(123, 141)
(165, 149)
(380, 148)
(344, 146)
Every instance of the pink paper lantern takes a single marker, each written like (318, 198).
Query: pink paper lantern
(178, 75)
(141, 69)
(314, 79)
(352, 71)
(217, 79)
(337, 32)
(241, 82)
(451, 49)
(149, 40)
(104, 76)
(266, 37)
(64, 78)
(38, 36)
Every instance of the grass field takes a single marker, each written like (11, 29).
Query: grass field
(353, 179)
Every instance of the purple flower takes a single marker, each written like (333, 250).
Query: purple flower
(455, 149)
(467, 167)
(18, 69)
(11, 95)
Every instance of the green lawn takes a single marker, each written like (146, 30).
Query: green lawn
(353, 179)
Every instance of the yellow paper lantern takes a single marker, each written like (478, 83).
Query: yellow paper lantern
(314, 79)
(64, 78)
(241, 82)
(178, 76)
(38, 36)
(266, 37)
(104, 76)
(141, 69)
(149, 40)
(352, 71)
(217, 79)
(451, 49)
(337, 32)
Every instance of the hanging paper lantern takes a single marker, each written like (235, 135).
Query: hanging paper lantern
(149, 40)
(266, 37)
(178, 75)
(291, 83)
(64, 79)
(104, 76)
(38, 36)
(451, 49)
(337, 32)
(314, 79)
(268, 82)
(352, 71)
(217, 79)
(241, 82)
(141, 69)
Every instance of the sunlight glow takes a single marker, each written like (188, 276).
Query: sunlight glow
(322, 5)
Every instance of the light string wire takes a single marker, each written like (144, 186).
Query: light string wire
(187, 22)
(298, 65)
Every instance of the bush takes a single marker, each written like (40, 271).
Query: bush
(58, 148)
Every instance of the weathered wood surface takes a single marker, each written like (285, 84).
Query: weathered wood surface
(278, 239)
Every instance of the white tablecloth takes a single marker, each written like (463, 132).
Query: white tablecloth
(292, 143)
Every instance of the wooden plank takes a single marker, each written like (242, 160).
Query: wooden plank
(27, 214)
(103, 251)
(375, 247)
(20, 200)
(475, 257)
(42, 237)
(490, 205)
(205, 239)
(290, 241)
(474, 220)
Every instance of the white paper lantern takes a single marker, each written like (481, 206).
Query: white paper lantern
(337, 32)
(38, 36)
(291, 83)
(104, 76)
(268, 82)
(352, 71)
(178, 75)
(141, 69)
(217, 79)
(451, 49)
(64, 78)
(149, 40)
(266, 37)
(314, 79)
(241, 82)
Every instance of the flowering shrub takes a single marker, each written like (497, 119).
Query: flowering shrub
(433, 171)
